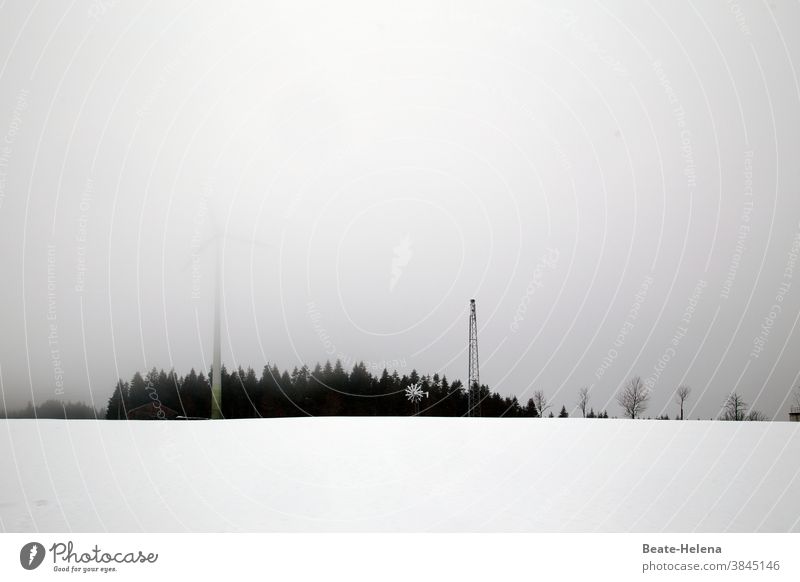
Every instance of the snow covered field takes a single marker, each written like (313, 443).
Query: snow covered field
(399, 474)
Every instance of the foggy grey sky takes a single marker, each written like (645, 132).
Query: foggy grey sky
(616, 183)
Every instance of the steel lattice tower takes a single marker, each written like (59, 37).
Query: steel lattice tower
(473, 390)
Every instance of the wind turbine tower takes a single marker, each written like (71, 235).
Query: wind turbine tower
(218, 239)
(474, 388)
(216, 370)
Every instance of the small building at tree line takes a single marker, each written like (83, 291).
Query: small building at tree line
(150, 411)
(794, 414)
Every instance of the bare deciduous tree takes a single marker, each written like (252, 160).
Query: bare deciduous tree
(633, 397)
(796, 403)
(583, 400)
(734, 408)
(681, 396)
(540, 400)
(756, 415)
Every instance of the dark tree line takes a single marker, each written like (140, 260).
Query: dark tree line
(330, 390)
(326, 390)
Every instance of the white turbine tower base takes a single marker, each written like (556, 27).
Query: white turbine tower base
(216, 371)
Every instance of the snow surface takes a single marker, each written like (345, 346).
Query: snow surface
(399, 474)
